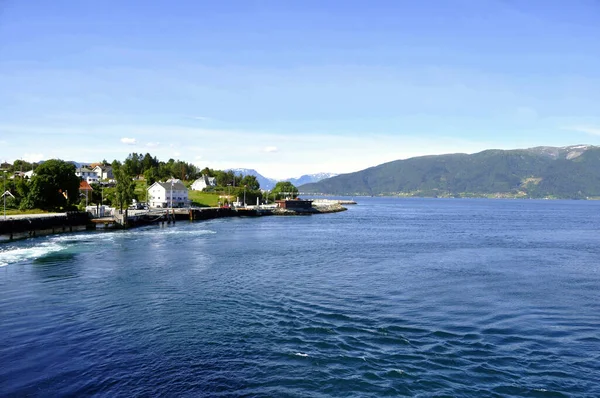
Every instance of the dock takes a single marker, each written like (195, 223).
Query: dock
(26, 226)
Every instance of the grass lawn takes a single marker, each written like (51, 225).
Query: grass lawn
(141, 190)
(16, 212)
(203, 199)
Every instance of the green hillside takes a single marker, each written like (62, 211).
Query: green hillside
(567, 172)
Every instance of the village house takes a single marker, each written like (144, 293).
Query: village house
(168, 194)
(104, 172)
(18, 174)
(85, 190)
(203, 182)
(86, 174)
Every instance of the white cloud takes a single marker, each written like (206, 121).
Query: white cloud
(585, 129)
(197, 157)
(153, 144)
(201, 118)
(270, 149)
(33, 157)
(128, 141)
(220, 149)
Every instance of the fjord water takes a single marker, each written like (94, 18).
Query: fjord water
(416, 297)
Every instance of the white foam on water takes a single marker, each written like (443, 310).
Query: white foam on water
(169, 231)
(193, 232)
(16, 255)
(58, 242)
(300, 354)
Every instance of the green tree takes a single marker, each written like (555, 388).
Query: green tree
(125, 186)
(165, 170)
(53, 187)
(21, 165)
(96, 194)
(149, 162)
(151, 175)
(284, 189)
(134, 163)
(250, 182)
(20, 191)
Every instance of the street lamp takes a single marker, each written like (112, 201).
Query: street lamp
(171, 192)
(4, 194)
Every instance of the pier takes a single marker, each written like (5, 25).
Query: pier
(26, 226)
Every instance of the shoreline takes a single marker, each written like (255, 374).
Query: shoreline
(30, 226)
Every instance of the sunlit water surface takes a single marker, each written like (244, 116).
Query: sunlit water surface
(409, 297)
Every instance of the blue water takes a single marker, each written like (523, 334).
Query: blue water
(410, 297)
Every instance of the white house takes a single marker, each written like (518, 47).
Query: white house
(86, 174)
(104, 172)
(167, 194)
(203, 182)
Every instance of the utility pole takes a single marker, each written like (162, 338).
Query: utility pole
(4, 194)
(171, 192)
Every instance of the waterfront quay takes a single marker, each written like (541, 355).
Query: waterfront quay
(31, 225)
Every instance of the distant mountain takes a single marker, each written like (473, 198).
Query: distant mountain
(567, 152)
(76, 164)
(555, 172)
(268, 183)
(308, 178)
(265, 182)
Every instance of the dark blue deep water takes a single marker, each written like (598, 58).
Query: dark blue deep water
(410, 297)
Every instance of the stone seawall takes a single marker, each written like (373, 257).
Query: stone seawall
(18, 228)
(316, 209)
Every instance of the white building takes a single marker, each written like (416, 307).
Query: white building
(104, 172)
(86, 174)
(167, 194)
(203, 182)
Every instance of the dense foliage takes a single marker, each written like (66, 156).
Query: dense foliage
(125, 187)
(514, 173)
(284, 189)
(53, 187)
(153, 169)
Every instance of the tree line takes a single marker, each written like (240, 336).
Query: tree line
(55, 187)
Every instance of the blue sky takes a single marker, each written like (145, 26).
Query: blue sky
(296, 86)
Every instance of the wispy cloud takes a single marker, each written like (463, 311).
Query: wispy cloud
(270, 149)
(585, 129)
(221, 149)
(153, 144)
(201, 118)
(128, 141)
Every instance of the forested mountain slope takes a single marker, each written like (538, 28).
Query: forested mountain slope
(565, 172)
